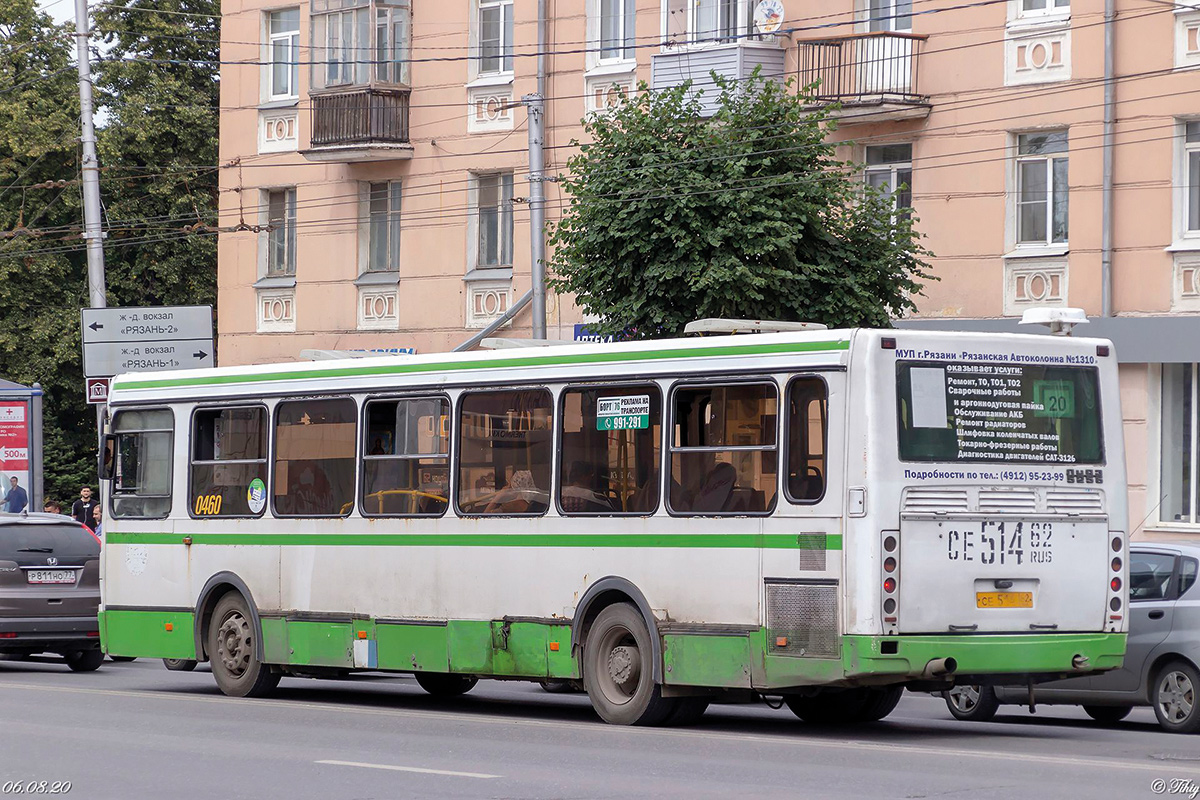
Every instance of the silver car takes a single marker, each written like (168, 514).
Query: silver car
(1161, 656)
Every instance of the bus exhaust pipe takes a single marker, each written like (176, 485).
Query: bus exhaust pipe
(939, 668)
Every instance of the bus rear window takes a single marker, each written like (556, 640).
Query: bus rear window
(950, 411)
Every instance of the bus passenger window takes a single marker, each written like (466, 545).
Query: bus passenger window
(610, 451)
(723, 451)
(314, 458)
(141, 483)
(406, 446)
(229, 462)
(504, 452)
(807, 430)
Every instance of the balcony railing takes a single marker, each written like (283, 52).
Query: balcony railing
(360, 117)
(865, 69)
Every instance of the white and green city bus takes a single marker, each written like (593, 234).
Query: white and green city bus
(825, 516)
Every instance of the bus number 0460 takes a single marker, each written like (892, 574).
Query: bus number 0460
(1000, 542)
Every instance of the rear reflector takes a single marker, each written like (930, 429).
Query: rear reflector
(94, 633)
(8, 636)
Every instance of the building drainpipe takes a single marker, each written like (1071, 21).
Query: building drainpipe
(1106, 190)
(535, 106)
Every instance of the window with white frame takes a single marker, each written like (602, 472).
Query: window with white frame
(349, 36)
(1038, 8)
(707, 21)
(283, 32)
(281, 232)
(890, 15)
(1041, 188)
(494, 194)
(889, 169)
(383, 226)
(1179, 451)
(617, 30)
(1191, 177)
(495, 36)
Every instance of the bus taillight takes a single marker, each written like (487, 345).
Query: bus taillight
(890, 541)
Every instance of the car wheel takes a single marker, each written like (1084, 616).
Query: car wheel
(1109, 715)
(618, 669)
(441, 684)
(122, 659)
(179, 664)
(1174, 695)
(834, 707)
(972, 703)
(84, 660)
(232, 642)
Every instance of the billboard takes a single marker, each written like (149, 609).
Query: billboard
(14, 446)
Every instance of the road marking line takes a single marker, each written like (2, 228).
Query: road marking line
(421, 770)
(619, 730)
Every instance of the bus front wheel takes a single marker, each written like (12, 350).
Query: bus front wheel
(618, 669)
(232, 643)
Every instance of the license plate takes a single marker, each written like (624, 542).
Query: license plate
(1004, 599)
(50, 576)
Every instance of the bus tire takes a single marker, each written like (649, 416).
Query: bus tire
(1174, 693)
(179, 664)
(618, 669)
(972, 703)
(84, 660)
(122, 659)
(1107, 715)
(442, 684)
(881, 701)
(833, 707)
(688, 711)
(232, 649)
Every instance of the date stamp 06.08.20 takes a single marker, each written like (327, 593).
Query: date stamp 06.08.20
(34, 787)
(1176, 787)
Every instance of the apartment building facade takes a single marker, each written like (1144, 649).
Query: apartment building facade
(375, 157)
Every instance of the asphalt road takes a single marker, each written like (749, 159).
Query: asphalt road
(136, 730)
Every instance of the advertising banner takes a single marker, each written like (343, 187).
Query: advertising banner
(14, 448)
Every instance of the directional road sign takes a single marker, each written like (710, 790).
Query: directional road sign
(154, 339)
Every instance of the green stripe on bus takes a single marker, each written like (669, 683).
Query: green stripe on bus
(771, 541)
(521, 361)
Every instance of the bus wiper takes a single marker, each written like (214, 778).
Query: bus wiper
(36, 550)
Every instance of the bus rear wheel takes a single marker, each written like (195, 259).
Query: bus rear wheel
(618, 669)
(441, 684)
(833, 707)
(880, 702)
(232, 648)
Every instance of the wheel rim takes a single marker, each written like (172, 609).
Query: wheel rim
(965, 698)
(1176, 697)
(619, 665)
(234, 644)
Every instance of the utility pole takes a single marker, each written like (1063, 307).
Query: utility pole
(535, 105)
(93, 235)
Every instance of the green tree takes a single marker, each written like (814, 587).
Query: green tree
(674, 216)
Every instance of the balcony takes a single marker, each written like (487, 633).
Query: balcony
(873, 76)
(735, 60)
(364, 124)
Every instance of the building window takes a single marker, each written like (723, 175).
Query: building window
(1191, 168)
(505, 446)
(617, 36)
(495, 36)
(1042, 188)
(889, 169)
(1178, 436)
(495, 193)
(707, 21)
(890, 15)
(283, 30)
(229, 462)
(1033, 8)
(383, 227)
(346, 43)
(314, 457)
(281, 232)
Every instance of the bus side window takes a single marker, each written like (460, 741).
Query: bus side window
(611, 440)
(808, 424)
(406, 461)
(229, 462)
(314, 457)
(723, 452)
(504, 450)
(141, 483)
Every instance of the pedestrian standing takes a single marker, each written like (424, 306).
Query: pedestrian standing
(52, 507)
(97, 520)
(17, 498)
(82, 510)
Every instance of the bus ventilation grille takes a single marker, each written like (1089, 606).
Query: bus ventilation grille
(802, 619)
